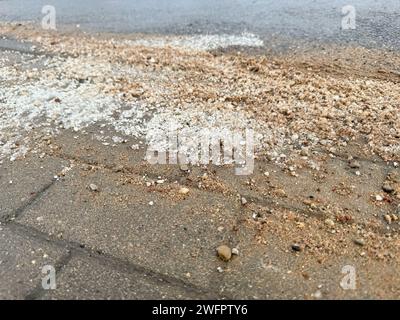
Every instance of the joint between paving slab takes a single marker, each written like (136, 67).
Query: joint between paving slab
(20, 211)
(318, 214)
(38, 292)
(25, 51)
(30, 51)
(75, 248)
(109, 167)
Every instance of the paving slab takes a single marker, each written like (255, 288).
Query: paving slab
(141, 237)
(268, 268)
(95, 146)
(10, 44)
(22, 258)
(333, 188)
(154, 227)
(23, 180)
(89, 278)
(148, 224)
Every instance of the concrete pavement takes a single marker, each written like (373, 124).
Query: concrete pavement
(112, 244)
(115, 227)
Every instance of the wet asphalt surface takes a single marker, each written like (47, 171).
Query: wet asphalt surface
(290, 21)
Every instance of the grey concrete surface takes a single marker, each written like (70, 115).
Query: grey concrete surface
(176, 237)
(378, 21)
(112, 244)
(297, 189)
(91, 278)
(22, 258)
(119, 220)
(23, 181)
(120, 246)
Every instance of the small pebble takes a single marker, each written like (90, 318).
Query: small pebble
(304, 152)
(388, 218)
(301, 225)
(317, 294)
(118, 168)
(235, 251)
(280, 193)
(93, 187)
(184, 190)
(296, 247)
(378, 198)
(387, 188)
(359, 242)
(354, 164)
(224, 253)
(329, 222)
(243, 200)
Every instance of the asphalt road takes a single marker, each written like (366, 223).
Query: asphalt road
(377, 21)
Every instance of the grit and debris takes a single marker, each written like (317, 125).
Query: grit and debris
(305, 108)
(140, 86)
